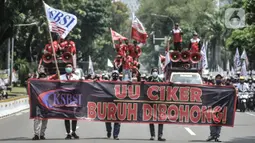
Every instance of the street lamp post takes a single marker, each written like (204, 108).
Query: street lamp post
(11, 51)
(164, 16)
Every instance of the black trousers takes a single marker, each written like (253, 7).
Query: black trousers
(178, 46)
(215, 131)
(116, 128)
(67, 125)
(160, 130)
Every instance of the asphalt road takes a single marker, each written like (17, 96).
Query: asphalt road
(19, 128)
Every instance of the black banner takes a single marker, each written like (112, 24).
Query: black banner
(132, 102)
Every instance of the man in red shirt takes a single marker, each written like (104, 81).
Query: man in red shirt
(68, 46)
(120, 48)
(177, 37)
(195, 45)
(135, 51)
(127, 46)
(48, 48)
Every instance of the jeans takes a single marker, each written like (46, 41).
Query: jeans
(40, 127)
(215, 131)
(127, 72)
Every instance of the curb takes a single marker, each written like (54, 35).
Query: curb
(13, 107)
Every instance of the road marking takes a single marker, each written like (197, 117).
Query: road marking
(190, 131)
(20, 113)
(250, 114)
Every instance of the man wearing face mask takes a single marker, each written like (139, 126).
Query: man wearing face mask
(155, 78)
(116, 127)
(215, 130)
(70, 76)
(242, 87)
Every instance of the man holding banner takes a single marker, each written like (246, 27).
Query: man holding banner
(70, 76)
(155, 78)
(116, 127)
(215, 130)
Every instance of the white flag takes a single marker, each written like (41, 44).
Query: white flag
(228, 66)
(243, 70)
(204, 56)
(109, 63)
(91, 69)
(237, 62)
(59, 21)
(245, 58)
(232, 71)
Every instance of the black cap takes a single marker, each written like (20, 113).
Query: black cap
(218, 75)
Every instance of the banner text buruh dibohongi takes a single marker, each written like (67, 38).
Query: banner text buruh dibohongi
(132, 102)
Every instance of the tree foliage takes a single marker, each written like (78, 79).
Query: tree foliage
(244, 38)
(91, 33)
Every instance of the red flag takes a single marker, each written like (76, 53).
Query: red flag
(138, 31)
(117, 36)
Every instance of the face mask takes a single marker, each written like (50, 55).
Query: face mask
(218, 82)
(154, 74)
(68, 70)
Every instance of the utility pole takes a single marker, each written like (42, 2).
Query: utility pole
(8, 57)
(11, 66)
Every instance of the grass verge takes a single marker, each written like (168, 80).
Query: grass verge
(14, 98)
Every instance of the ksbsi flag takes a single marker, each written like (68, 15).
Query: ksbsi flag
(117, 36)
(138, 31)
(59, 21)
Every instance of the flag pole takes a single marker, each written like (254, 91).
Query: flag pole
(54, 53)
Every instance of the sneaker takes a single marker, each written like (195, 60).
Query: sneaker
(116, 138)
(152, 138)
(42, 138)
(210, 138)
(36, 138)
(109, 135)
(75, 136)
(68, 137)
(161, 139)
(217, 140)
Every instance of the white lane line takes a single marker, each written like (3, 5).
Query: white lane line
(190, 131)
(250, 114)
(20, 113)
(26, 111)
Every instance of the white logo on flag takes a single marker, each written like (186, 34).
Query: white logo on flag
(59, 21)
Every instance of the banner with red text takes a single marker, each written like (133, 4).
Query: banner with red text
(164, 103)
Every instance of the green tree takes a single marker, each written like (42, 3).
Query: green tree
(244, 38)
